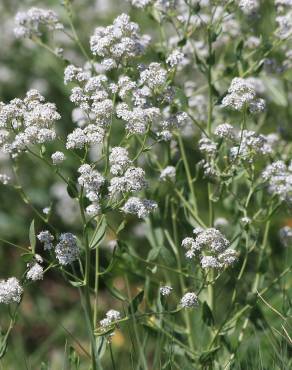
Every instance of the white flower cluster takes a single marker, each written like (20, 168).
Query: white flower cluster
(284, 25)
(207, 146)
(221, 223)
(278, 176)
(284, 18)
(175, 58)
(25, 122)
(58, 157)
(36, 271)
(209, 241)
(250, 145)
(285, 235)
(4, 179)
(225, 131)
(168, 173)
(91, 180)
(189, 300)
(110, 317)
(137, 119)
(119, 160)
(154, 76)
(67, 250)
(118, 42)
(10, 291)
(139, 207)
(241, 93)
(165, 290)
(140, 4)
(94, 98)
(46, 238)
(248, 6)
(132, 180)
(209, 169)
(31, 23)
(283, 3)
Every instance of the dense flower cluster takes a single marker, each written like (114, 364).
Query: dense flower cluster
(67, 250)
(133, 180)
(225, 130)
(250, 145)
(119, 42)
(10, 291)
(110, 317)
(249, 6)
(46, 238)
(4, 179)
(168, 173)
(278, 176)
(58, 157)
(119, 160)
(189, 300)
(140, 109)
(36, 271)
(26, 122)
(211, 247)
(91, 180)
(285, 235)
(241, 94)
(30, 23)
(165, 290)
(139, 207)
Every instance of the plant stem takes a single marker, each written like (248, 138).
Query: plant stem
(209, 130)
(188, 172)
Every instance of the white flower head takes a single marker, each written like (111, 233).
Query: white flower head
(10, 291)
(58, 157)
(35, 272)
(189, 300)
(165, 290)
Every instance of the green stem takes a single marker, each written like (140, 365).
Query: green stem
(188, 172)
(209, 130)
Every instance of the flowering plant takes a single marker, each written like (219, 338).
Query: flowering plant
(175, 173)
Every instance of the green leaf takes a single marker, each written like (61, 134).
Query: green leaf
(114, 291)
(3, 346)
(72, 190)
(207, 315)
(32, 237)
(211, 59)
(110, 265)
(27, 257)
(99, 234)
(182, 42)
(101, 346)
(207, 356)
(76, 283)
(180, 95)
(153, 254)
(238, 50)
(167, 256)
(275, 91)
(105, 332)
(121, 226)
(136, 301)
(43, 150)
(74, 359)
